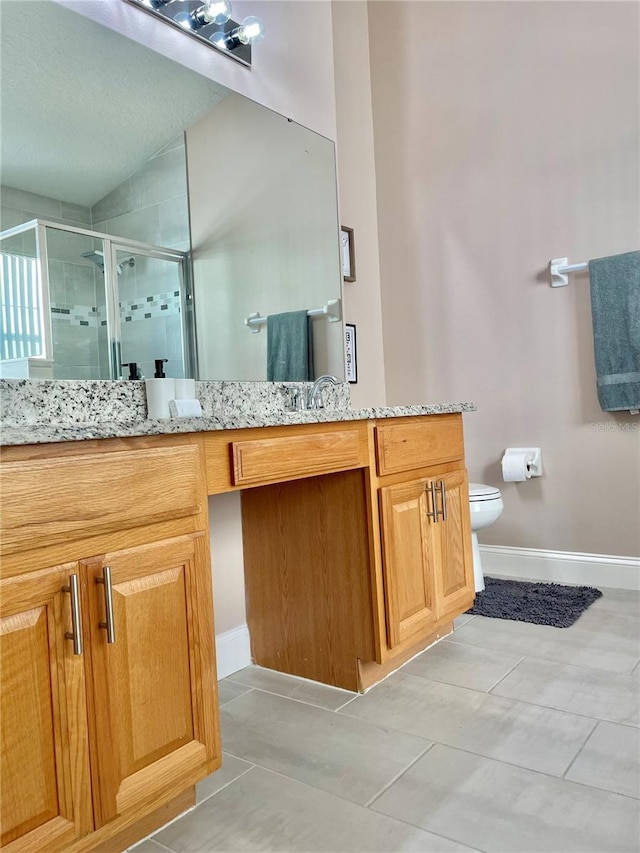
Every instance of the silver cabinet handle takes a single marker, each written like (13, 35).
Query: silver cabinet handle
(443, 495)
(434, 513)
(76, 618)
(109, 625)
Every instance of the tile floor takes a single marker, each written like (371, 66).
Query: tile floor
(504, 737)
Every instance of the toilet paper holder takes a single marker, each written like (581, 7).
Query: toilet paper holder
(534, 463)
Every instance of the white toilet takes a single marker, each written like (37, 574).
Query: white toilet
(486, 507)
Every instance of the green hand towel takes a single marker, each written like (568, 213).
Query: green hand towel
(615, 309)
(290, 347)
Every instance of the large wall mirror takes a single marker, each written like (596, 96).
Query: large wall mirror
(147, 213)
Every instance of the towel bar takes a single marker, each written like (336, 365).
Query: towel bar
(559, 268)
(332, 310)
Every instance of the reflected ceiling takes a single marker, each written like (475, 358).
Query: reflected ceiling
(107, 131)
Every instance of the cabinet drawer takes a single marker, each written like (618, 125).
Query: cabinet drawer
(406, 446)
(272, 459)
(48, 501)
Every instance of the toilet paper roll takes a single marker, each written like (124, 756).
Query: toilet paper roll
(159, 392)
(516, 467)
(185, 389)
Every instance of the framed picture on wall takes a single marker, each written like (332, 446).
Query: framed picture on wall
(347, 254)
(351, 353)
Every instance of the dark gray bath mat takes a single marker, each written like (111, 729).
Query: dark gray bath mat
(526, 601)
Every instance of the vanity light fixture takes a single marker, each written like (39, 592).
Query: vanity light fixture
(209, 22)
(211, 12)
(250, 31)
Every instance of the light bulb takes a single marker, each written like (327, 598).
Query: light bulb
(216, 11)
(250, 31)
(185, 20)
(211, 12)
(220, 39)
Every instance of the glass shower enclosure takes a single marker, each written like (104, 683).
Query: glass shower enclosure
(79, 304)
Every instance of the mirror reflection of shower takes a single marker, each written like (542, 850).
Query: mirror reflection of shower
(75, 303)
(98, 259)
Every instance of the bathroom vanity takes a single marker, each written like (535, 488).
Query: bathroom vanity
(357, 556)
(355, 523)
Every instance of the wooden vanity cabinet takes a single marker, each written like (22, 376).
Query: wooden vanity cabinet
(455, 589)
(96, 741)
(348, 574)
(46, 790)
(426, 560)
(357, 552)
(153, 726)
(409, 562)
(427, 565)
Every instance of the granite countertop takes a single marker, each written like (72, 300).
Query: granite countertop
(38, 412)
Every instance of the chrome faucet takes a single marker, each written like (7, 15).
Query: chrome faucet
(314, 400)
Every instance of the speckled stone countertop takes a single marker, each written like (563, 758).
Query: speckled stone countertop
(41, 411)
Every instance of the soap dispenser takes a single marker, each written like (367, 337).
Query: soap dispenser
(133, 369)
(160, 390)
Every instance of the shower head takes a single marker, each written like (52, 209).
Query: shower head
(127, 262)
(97, 257)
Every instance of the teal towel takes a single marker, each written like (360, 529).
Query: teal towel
(290, 347)
(615, 309)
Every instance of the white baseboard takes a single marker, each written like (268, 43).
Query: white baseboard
(233, 648)
(233, 651)
(561, 566)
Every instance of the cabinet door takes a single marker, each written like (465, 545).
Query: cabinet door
(454, 573)
(408, 561)
(153, 710)
(46, 795)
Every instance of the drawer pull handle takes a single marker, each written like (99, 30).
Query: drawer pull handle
(434, 503)
(76, 618)
(109, 625)
(443, 495)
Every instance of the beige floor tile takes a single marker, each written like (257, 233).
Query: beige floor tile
(604, 622)
(537, 738)
(231, 769)
(347, 757)
(466, 666)
(623, 602)
(228, 690)
(565, 645)
(294, 688)
(592, 692)
(264, 811)
(504, 809)
(610, 759)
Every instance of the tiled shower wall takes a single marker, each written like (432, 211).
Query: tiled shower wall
(151, 205)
